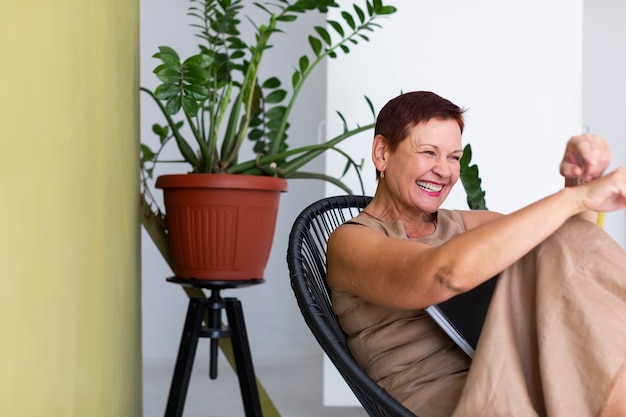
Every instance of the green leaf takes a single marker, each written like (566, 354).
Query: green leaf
(236, 43)
(237, 54)
(276, 96)
(173, 105)
(167, 67)
(146, 153)
(316, 45)
(197, 75)
(387, 10)
(371, 106)
(190, 106)
(303, 63)
(200, 60)
(167, 55)
(323, 34)
(260, 6)
(272, 136)
(256, 120)
(197, 92)
(169, 77)
(306, 4)
(273, 125)
(166, 91)
(343, 119)
(276, 112)
(338, 28)
(471, 181)
(360, 13)
(255, 134)
(467, 155)
(259, 148)
(344, 48)
(295, 78)
(345, 169)
(159, 130)
(273, 82)
(287, 18)
(349, 20)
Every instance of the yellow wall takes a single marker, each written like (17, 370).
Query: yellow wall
(70, 332)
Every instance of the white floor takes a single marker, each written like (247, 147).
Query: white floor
(295, 387)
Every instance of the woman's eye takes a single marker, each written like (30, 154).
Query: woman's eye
(455, 158)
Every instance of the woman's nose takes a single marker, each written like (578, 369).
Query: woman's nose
(441, 168)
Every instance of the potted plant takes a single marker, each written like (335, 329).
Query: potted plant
(212, 103)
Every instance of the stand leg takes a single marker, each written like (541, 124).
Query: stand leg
(243, 359)
(215, 306)
(186, 355)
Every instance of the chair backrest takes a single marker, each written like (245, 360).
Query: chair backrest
(306, 258)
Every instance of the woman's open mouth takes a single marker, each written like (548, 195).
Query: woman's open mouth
(429, 187)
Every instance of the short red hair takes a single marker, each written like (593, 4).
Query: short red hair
(408, 110)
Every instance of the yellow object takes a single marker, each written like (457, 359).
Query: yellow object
(69, 227)
(600, 221)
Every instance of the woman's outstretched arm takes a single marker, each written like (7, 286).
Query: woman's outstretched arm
(408, 274)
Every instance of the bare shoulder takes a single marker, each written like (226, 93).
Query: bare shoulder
(348, 246)
(475, 218)
(382, 269)
(352, 235)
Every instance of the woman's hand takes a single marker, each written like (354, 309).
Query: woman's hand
(607, 193)
(586, 158)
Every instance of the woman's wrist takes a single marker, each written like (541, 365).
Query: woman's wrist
(573, 200)
(581, 211)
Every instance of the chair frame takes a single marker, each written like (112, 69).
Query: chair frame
(306, 259)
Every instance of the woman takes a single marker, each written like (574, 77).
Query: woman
(554, 340)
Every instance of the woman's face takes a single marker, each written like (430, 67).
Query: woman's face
(425, 166)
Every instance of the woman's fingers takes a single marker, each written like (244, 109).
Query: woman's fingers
(586, 157)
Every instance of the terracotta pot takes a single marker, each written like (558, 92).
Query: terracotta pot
(220, 226)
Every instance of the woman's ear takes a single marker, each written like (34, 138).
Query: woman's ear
(379, 152)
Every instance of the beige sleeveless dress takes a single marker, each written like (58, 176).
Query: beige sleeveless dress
(553, 343)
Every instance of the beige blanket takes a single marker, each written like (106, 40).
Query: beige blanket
(555, 334)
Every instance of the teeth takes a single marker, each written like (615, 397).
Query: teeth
(429, 186)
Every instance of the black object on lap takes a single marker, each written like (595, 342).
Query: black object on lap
(462, 317)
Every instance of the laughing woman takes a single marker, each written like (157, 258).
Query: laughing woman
(554, 340)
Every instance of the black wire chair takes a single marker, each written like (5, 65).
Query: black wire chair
(306, 258)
